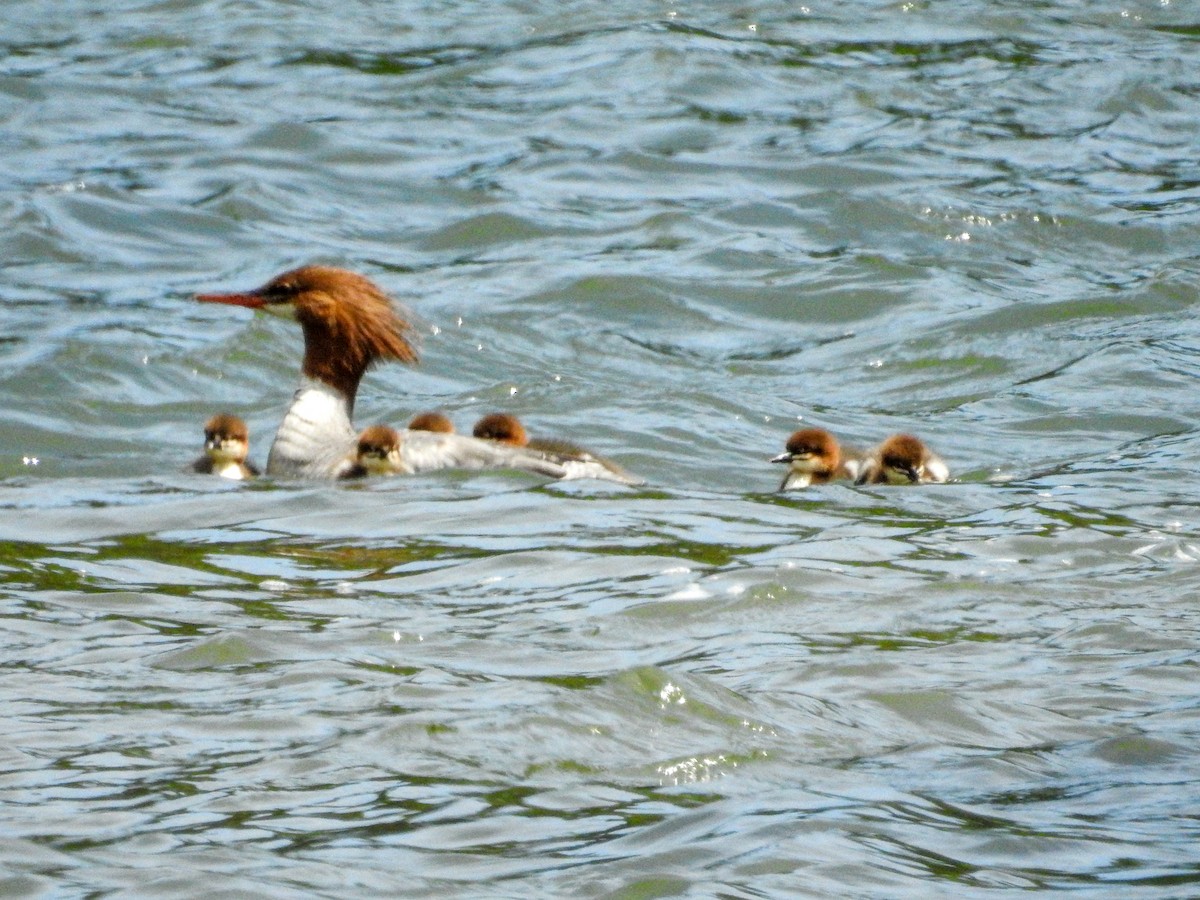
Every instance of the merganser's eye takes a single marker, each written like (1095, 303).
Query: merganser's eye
(279, 293)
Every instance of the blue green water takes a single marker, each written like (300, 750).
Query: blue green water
(673, 233)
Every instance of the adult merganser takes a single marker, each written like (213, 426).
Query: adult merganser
(349, 325)
(814, 456)
(434, 420)
(226, 445)
(903, 459)
(578, 462)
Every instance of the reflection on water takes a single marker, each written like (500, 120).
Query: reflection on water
(671, 234)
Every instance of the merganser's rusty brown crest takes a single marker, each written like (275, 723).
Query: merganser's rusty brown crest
(349, 324)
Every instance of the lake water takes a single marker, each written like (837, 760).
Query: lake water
(672, 233)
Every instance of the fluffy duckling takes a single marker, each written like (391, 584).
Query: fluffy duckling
(226, 446)
(814, 456)
(376, 453)
(434, 420)
(903, 459)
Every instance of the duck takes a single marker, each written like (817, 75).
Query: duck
(376, 453)
(433, 420)
(226, 446)
(814, 456)
(903, 459)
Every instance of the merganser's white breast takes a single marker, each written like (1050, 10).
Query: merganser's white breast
(315, 438)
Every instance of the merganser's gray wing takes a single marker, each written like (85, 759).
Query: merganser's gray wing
(581, 463)
(428, 451)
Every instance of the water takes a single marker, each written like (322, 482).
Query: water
(671, 233)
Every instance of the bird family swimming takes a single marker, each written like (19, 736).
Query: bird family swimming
(226, 446)
(349, 325)
(814, 456)
(505, 428)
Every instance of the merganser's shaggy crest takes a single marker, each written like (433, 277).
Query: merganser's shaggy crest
(578, 462)
(903, 459)
(349, 325)
(435, 420)
(226, 445)
(814, 456)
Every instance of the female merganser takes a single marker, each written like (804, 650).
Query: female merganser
(903, 459)
(814, 456)
(349, 325)
(226, 446)
(578, 462)
(435, 420)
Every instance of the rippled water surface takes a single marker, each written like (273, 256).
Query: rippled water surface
(670, 232)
